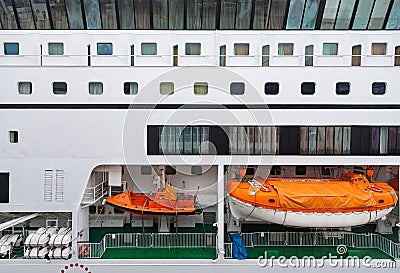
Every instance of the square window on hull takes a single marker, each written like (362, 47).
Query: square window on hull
(130, 88)
(237, 88)
(25, 88)
(378, 88)
(11, 48)
(95, 88)
(104, 49)
(59, 88)
(308, 88)
(342, 88)
(271, 88)
(56, 48)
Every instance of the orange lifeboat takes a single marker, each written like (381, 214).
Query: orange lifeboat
(163, 202)
(311, 202)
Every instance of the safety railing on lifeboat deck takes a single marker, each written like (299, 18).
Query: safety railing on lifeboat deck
(348, 239)
(87, 250)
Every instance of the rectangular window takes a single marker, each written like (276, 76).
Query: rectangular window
(265, 55)
(378, 88)
(271, 88)
(303, 140)
(200, 88)
(356, 55)
(233, 140)
(104, 49)
(192, 48)
(330, 49)
(378, 49)
(342, 88)
(132, 55)
(5, 187)
(95, 88)
(329, 137)
(285, 49)
(11, 48)
(312, 140)
(13, 135)
(383, 140)
(309, 58)
(237, 88)
(397, 56)
(56, 48)
(196, 170)
(25, 88)
(241, 49)
(222, 56)
(59, 88)
(308, 88)
(321, 140)
(338, 141)
(130, 88)
(149, 49)
(166, 88)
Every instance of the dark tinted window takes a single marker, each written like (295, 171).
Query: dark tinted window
(11, 49)
(237, 88)
(301, 170)
(104, 49)
(196, 170)
(379, 88)
(271, 88)
(130, 88)
(5, 187)
(169, 170)
(342, 88)
(59, 88)
(308, 88)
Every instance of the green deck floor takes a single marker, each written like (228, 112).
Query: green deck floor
(160, 253)
(318, 252)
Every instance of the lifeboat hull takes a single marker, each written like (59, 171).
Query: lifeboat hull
(311, 202)
(242, 210)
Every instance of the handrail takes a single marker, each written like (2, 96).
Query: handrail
(93, 194)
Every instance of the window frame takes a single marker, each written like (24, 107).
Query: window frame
(102, 49)
(96, 94)
(271, 84)
(237, 86)
(12, 53)
(63, 93)
(307, 93)
(143, 53)
(130, 89)
(49, 51)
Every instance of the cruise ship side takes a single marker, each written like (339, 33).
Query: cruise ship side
(199, 135)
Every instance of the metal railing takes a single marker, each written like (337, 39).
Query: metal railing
(92, 194)
(355, 240)
(150, 240)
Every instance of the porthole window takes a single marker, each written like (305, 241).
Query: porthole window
(166, 88)
(237, 88)
(25, 88)
(130, 88)
(308, 88)
(379, 88)
(95, 88)
(59, 88)
(104, 49)
(271, 88)
(342, 88)
(200, 88)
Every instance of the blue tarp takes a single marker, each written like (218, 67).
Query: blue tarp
(238, 249)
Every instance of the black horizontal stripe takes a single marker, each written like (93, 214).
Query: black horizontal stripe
(200, 106)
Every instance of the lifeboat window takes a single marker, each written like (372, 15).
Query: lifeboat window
(25, 88)
(196, 170)
(192, 49)
(285, 49)
(378, 49)
(330, 49)
(200, 88)
(237, 88)
(5, 187)
(95, 88)
(241, 49)
(130, 88)
(381, 201)
(56, 48)
(104, 49)
(271, 200)
(13, 136)
(308, 88)
(92, 209)
(146, 170)
(342, 88)
(166, 88)
(11, 48)
(271, 88)
(149, 49)
(378, 88)
(170, 170)
(59, 88)
(301, 170)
